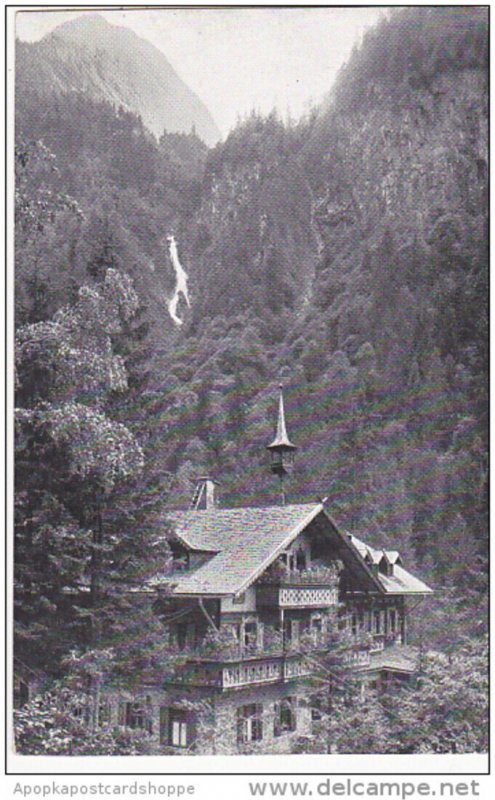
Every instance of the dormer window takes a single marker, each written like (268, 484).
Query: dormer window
(180, 557)
(385, 566)
(371, 563)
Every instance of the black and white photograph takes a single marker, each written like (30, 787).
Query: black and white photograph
(250, 329)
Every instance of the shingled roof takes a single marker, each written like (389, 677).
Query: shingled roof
(243, 542)
(401, 582)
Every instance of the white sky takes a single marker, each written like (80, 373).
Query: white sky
(237, 59)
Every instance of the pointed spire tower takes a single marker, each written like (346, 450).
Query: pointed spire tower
(281, 449)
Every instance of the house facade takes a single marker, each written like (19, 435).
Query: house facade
(262, 607)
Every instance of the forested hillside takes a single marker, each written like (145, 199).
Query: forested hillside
(344, 255)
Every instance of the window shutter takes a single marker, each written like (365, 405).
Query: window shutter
(259, 636)
(258, 723)
(276, 719)
(293, 713)
(122, 713)
(163, 724)
(240, 726)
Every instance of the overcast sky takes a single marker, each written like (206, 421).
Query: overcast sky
(238, 59)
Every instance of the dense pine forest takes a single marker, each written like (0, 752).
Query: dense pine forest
(344, 255)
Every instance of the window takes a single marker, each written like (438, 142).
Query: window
(104, 714)
(317, 624)
(135, 716)
(377, 627)
(186, 635)
(250, 723)
(354, 623)
(316, 628)
(294, 631)
(178, 728)
(300, 560)
(393, 620)
(285, 716)
(250, 634)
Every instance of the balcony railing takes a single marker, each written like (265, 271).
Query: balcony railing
(295, 596)
(279, 575)
(266, 671)
(357, 658)
(297, 668)
(377, 643)
(248, 674)
(232, 665)
(314, 587)
(235, 675)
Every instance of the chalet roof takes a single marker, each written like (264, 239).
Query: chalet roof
(243, 542)
(401, 582)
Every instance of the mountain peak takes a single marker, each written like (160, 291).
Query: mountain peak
(90, 30)
(85, 23)
(111, 62)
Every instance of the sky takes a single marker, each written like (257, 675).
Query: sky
(237, 59)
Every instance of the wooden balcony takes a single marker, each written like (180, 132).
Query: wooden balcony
(296, 668)
(294, 594)
(239, 674)
(313, 587)
(251, 673)
(266, 671)
(357, 658)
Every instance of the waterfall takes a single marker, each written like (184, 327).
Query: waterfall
(180, 282)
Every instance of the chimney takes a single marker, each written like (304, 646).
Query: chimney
(204, 497)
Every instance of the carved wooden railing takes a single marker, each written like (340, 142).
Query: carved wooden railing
(296, 596)
(252, 672)
(310, 576)
(377, 643)
(357, 658)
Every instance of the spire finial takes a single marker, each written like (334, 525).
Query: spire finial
(282, 449)
(281, 437)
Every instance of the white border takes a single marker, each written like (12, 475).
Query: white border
(80, 768)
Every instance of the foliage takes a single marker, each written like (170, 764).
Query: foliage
(413, 47)
(448, 712)
(445, 711)
(84, 499)
(55, 724)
